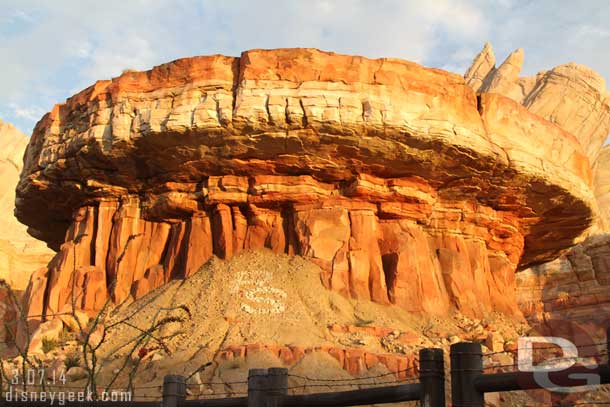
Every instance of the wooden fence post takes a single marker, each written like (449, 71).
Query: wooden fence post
(432, 377)
(277, 384)
(608, 346)
(466, 366)
(257, 387)
(174, 390)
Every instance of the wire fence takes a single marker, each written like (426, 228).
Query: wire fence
(600, 355)
(493, 371)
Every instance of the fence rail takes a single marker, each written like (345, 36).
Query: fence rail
(269, 388)
(469, 384)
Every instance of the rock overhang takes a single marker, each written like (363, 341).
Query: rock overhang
(303, 112)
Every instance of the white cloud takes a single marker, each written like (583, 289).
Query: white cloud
(588, 31)
(21, 15)
(132, 52)
(83, 49)
(73, 43)
(32, 113)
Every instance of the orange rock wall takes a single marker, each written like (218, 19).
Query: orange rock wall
(574, 289)
(389, 241)
(570, 292)
(400, 182)
(354, 361)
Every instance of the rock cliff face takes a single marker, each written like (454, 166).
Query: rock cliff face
(20, 254)
(575, 288)
(397, 180)
(601, 182)
(573, 96)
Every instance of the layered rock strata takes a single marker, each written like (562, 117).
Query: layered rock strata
(601, 184)
(20, 254)
(572, 291)
(571, 95)
(354, 361)
(397, 180)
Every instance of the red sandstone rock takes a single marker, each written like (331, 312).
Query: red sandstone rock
(8, 316)
(571, 95)
(574, 97)
(572, 292)
(20, 253)
(152, 279)
(354, 361)
(391, 177)
(566, 291)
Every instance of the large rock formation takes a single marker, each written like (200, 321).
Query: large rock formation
(397, 180)
(575, 288)
(571, 291)
(601, 183)
(571, 95)
(20, 254)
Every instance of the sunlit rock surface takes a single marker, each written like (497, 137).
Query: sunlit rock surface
(397, 180)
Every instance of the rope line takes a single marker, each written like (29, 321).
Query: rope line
(326, 383)
(212, 396)
(574, 360)
(351, 379)
(315, 379)
(545, 348)
(216, 383)
(305, 386)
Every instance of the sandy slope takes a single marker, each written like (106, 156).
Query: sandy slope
(272, 300)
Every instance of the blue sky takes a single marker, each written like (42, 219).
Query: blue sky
(52, 49)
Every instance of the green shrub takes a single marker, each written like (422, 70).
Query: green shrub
(72, 360)
(48, 344)
(364, 322)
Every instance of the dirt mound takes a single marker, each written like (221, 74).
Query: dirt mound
(261, 297)
(262, 309)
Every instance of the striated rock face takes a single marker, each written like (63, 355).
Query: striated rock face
(601, 182)
(573, 96)
(20, 254)
(573, 290)
(354, 361)
(400, 183)
(482, 65)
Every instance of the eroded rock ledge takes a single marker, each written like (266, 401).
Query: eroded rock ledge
(396, 179)
(572, 291)
(571, 95)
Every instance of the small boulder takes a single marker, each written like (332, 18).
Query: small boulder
(95, 337)
(49, 330)
(494, 342)
(76, 373)
(70, 318)
(510, 346)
